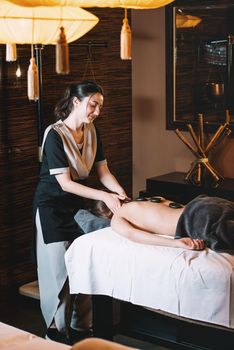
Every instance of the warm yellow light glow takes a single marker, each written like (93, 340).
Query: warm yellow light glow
(187, 21)
(18, 72)
(41, 25)
(192, 21)
(134, 4)
(180, 20)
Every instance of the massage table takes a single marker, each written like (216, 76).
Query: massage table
(181, 289)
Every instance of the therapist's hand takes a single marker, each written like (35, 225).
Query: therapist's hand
(112, 201)
(123, 197)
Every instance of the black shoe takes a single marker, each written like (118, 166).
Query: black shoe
(76, 336)
(55, 335)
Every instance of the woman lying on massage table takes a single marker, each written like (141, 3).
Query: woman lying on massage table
(205, 221)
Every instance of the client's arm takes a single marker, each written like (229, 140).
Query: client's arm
(127, 229)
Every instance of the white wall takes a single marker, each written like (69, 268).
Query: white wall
(156, 150)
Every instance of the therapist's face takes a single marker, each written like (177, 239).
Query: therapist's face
(90, 108)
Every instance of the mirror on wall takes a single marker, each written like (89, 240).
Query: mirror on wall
(200, 74)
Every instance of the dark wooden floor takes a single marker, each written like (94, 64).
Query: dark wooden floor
(21, 312)
(24, 313)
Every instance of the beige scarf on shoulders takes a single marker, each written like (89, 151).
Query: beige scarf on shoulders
(80, 163)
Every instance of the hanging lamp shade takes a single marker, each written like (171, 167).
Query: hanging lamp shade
(130, 4)
(125, 36)
(41, 25)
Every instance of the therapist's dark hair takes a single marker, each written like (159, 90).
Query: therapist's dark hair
(81, 90)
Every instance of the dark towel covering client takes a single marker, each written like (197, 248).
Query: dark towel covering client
(210, 219)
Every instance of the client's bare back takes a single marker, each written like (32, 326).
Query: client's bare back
(152, 217)
(147, 221)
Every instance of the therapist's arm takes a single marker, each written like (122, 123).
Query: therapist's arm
(109, 181)
(68, 185)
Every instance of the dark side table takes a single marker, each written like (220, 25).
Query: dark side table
(174, 187)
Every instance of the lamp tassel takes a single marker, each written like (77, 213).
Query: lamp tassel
(62, 54)
(126, 39)
(11, 53)
(33, 84)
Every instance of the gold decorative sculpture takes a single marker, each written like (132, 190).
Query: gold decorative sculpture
(201, 168)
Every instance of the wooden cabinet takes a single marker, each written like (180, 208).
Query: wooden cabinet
(174, 187)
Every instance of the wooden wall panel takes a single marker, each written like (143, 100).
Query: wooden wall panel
(19, 166)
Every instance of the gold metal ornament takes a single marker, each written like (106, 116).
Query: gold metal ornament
(201, 169)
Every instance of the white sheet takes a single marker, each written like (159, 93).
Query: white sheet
(197, 285)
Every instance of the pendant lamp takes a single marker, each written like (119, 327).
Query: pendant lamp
(130, 4)
(43, 25)
(125, 36)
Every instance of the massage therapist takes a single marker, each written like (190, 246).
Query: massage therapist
(70, 149)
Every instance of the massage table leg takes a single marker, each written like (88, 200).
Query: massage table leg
(102, 317)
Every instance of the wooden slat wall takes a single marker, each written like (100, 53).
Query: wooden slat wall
(18, 133)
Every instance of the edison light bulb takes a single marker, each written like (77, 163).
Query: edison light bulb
(18, 72)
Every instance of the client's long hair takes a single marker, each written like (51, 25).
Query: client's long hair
(100, 209)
